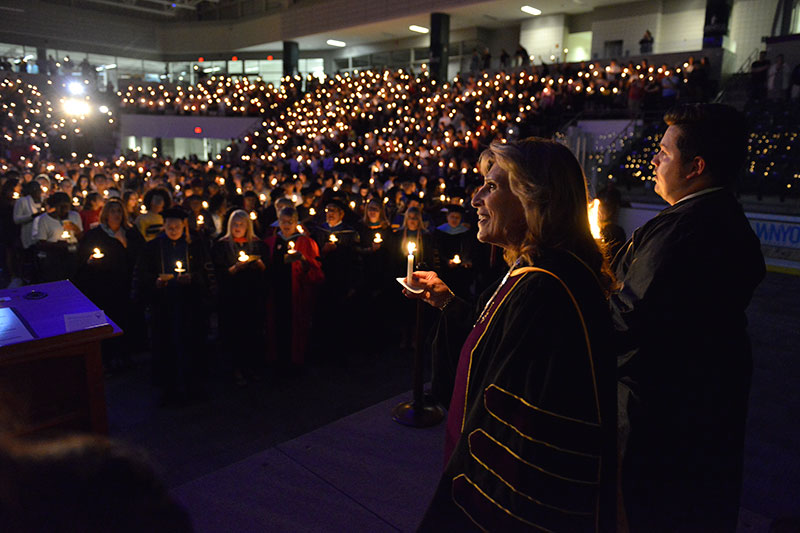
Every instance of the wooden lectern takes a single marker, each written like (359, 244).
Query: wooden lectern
(51, 370)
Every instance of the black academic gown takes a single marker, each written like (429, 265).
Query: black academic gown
(538, 446)
(685, 362)
(178, 311)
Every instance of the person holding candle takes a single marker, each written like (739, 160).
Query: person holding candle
(454, 243)
(57, 233)
(239, 265)
(341, 264)
(295, 274)
(531, 431)
(411, 232)
(375, 234)
(106, 280)
(174, 277)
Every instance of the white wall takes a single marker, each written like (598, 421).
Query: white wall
(750, 20)
(579, 46)
(544, 36)
(626, 22)
(681, 26)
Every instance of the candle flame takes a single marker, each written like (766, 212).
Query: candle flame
(200, 220)
(253, 215)
(243, 257)
(457, 259)
(97, 253)
(312, 211)
(65, 234)
(412, 247)
(291, 247)
(333, 238)
(594, 224)
(377, 239)
(299, 229)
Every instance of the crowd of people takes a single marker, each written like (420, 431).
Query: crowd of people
(284, 257)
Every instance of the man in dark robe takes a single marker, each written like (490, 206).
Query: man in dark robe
(174, 277)
(685, 279)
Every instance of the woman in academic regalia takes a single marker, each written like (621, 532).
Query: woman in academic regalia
(413, 232)
(239, 265)
(374, 249)
(295, 273)
(106, 278)
(529, 374)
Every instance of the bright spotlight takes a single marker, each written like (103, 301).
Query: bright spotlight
(73, 106)
(76, 88)
(334, 42)
(103, 109)
(531, 10)
(418, 29)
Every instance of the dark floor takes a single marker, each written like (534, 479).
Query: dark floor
(234, 424)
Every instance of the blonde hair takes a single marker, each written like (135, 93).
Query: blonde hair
(107, 207)
(549, 183)
(240, 213)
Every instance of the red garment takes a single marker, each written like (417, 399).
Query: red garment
(455, 415)
(306, 276)
(90, 218)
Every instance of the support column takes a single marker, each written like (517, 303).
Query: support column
(440, 46)
(291, 55)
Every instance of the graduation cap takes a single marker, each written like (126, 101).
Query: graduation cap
(455, 208)
(336, 202)
(174, 212)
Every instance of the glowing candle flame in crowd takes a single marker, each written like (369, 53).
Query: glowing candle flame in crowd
(65, 235)
(97, 254)
(200, 220)
(291, 247)
(253, 215)
(412, 246)
(312, 211)
(179, 267)
(594, 212)
(300, 229)
(333, 239)
(456, 259)
(377, 239)
(243, 257)
(143, 210)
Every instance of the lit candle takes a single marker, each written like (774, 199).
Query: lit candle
(300, 229)
(456, 259)
(97, 254)
(143, 210)
(243, 257)
(179, 267)
(291, 247)
(333, 239)
(253, 215)
(66, 235)
(312, 211)
(75, 201)
(205, 204)
(200, 220)
(377, 239)
(15, 195)
(352, 205)
(410, 265)
(594, 224)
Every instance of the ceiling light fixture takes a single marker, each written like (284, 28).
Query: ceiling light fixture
(531, 10)
(418, 29)
(334, 42)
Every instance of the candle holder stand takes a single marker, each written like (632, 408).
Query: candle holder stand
(419, 412)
